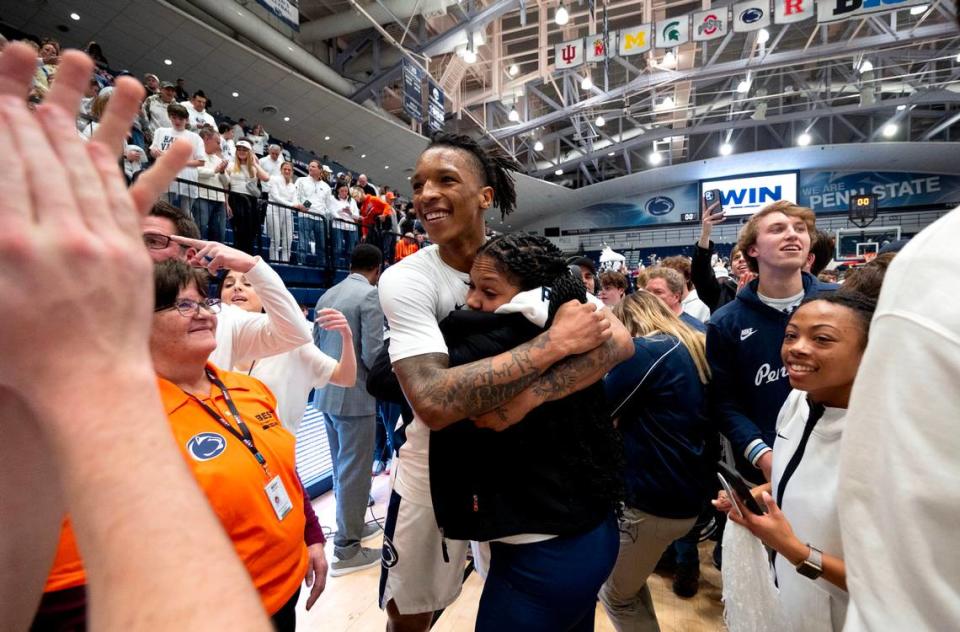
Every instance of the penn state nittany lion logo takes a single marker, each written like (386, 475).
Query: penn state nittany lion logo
(388, 556)
(206, 445)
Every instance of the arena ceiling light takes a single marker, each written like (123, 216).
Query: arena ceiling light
(726, 149)
(514, 116)
(364, 156)
(514, 70)
(538, 146)
(655, 158)
(386, 166)
(901, 108)
(168, 62)
(744, 86)
(234, 94)
(561, 16)
(326, 138)
(890, 130)
(587, 83)
(666, 104)
(865, 66)
(612, 153)
(919, 9)
(804, 139)
(74, 16)
(286, 119)
(763, 36)
(469, 56)
(669, 59)
(558, 172)
(600, 121)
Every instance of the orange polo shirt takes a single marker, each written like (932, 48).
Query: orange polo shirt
(404, 249)
(272, 550)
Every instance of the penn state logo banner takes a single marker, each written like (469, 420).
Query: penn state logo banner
(673, 32)
(634, 41)
(569, 54)
(710, 24)
(752, 15)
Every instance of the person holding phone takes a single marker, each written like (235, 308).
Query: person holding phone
(822, 348)
(715, 293)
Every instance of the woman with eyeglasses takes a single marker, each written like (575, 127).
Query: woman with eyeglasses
(227, 426)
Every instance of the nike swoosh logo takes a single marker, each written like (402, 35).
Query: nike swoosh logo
(746, 333)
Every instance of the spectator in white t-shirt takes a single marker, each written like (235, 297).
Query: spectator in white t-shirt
(182, 194)
(258, 139)
(272, 161)
(208, 209)
(196, 108)
(239, 129)
(228, 148)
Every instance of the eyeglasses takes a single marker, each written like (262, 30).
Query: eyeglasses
(156, 241)
(188, 307)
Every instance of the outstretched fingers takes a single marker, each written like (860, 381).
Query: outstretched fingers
(121, 111)
(157, 178)
(18, 64)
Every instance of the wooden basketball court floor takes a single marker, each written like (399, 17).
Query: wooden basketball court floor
(349, 602)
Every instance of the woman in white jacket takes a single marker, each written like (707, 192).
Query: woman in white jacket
(283, 190)
(293, 374)
(822, 347)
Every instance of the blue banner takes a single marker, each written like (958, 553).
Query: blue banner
(830, 191)
(661, 207)
(412, 91)
(287, 10)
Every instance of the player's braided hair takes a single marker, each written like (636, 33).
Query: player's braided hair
(529, 261)
(493, 164)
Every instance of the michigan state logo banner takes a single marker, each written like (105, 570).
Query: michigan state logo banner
(673, 32)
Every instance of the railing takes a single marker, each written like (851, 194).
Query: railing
(277, 232)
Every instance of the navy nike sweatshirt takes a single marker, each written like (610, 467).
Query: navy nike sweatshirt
(749, 382)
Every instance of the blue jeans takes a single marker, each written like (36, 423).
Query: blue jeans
(344, 242)
(310, 231)
(387, 418)
(211, 219)
(548, 586)
(351, 450)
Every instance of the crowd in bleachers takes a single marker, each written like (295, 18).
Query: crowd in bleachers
(580, 425)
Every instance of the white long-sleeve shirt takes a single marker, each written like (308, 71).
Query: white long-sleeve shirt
(243, 337)
(899, 493)
(291, 376)
(282, 192)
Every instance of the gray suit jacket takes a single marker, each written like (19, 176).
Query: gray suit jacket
(360, 303)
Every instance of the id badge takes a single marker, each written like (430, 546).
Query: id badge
(279, 499)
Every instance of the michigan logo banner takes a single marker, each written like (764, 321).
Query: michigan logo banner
(673, 32)
(569, 54)
(634, 41)
(752, 15)
(711, 24)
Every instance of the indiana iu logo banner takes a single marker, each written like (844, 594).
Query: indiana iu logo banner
(711, 24)
(569, 54)
(634, 41)
(597, 50)
(673, 32)
(752, 15)
(789, 11)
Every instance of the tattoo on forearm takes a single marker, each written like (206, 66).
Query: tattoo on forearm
(472, 389)
(575, 373)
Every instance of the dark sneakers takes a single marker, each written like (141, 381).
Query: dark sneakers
(686, 580)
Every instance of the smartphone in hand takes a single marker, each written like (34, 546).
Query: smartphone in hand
(738, 489)
(712, 202)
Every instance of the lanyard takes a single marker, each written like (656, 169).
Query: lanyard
(243, 435)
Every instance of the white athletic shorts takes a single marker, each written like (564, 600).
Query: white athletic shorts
(420, 570)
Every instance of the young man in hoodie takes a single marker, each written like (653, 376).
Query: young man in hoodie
(744, 337)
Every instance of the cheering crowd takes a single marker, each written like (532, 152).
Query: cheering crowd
(572, 442)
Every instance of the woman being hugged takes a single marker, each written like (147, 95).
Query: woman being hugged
(822, 349)
(243, 209)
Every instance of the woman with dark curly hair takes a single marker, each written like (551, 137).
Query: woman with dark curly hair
(542, 492)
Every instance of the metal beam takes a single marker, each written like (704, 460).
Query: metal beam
(788, 58)
(722, 126)
(494, 10)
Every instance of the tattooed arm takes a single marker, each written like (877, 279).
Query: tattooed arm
(441, 395)
(569, 376)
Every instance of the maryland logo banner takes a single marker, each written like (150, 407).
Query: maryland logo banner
(597, 50)
(752, 15)
(711, 24)
(569, 54)
(634, 41)
(673, 32)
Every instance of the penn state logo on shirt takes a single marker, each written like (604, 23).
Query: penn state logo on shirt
(206, 445)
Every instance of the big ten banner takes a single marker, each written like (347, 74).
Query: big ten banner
(830, 191)
(287, 10)
(413, 91)
(655, 207)
(747, 195)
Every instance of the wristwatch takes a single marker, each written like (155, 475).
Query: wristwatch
(812, 567)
